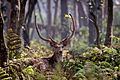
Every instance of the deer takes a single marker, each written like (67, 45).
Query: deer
(49, 63)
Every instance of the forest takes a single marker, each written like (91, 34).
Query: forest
(59, 39)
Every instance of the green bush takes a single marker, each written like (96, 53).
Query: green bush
(91, 63)
(95, 64)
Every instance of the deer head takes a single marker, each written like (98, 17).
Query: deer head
(58, 46)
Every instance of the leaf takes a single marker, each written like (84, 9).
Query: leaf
(67, 16)
(29, 70)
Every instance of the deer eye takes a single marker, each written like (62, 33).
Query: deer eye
(56, 47)
(60, 51)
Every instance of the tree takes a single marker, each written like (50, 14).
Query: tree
(13, 15)
(64, 10)
(109, 23)
(99, 13)
(93, 25)
(49, 18)
(56, 10)
(31, 5)
(21, 15)
(92, 33)
(3, 51)
(81, 14)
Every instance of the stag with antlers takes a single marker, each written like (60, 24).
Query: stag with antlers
(49, 63)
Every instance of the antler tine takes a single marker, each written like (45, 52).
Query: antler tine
(73, 31)
(52, 39)
(48, 40)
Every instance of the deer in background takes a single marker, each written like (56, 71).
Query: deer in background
(49, 63)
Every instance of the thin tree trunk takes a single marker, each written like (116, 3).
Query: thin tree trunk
(49, 16)
(93, 25)
(97, 41)
(99, 13)
(109, 24)
(56, 10)
(39, 8)
(55, 18)
(22, 15)
(27, 21)
(92, 33)
(64, 10)
(75, 15)
(81, 14)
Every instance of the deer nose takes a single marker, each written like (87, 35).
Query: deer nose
(60, 51)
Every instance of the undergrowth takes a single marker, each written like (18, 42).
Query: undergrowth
(93, 64)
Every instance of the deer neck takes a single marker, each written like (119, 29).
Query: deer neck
(55, 59)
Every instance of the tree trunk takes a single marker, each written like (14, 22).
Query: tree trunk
(13, 15)
(74, 7)
(3, 51)
(99, 14)
(64, 10)
(93, 23)
(92, 33)
(49, 20)
(109, 24)
(27, 21)
(81, 14)
(56, 10)
(22, 15)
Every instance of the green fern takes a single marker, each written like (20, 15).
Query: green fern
(13, 44)
(15, 70)
(4, 75)
(19, 70)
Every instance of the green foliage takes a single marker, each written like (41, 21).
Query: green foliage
(33, 73)
(116, 30)
(4, 75)
(13, 44)
(91, 64)
(29, 70)
(84, 32)
(38, 76)
(36, 50)
(115, 40)
(79, 46)
(94, 64)
(59, 74)
(15, 69)
(18, 70)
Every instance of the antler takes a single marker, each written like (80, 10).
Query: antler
(48, 40)
(64, 41)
